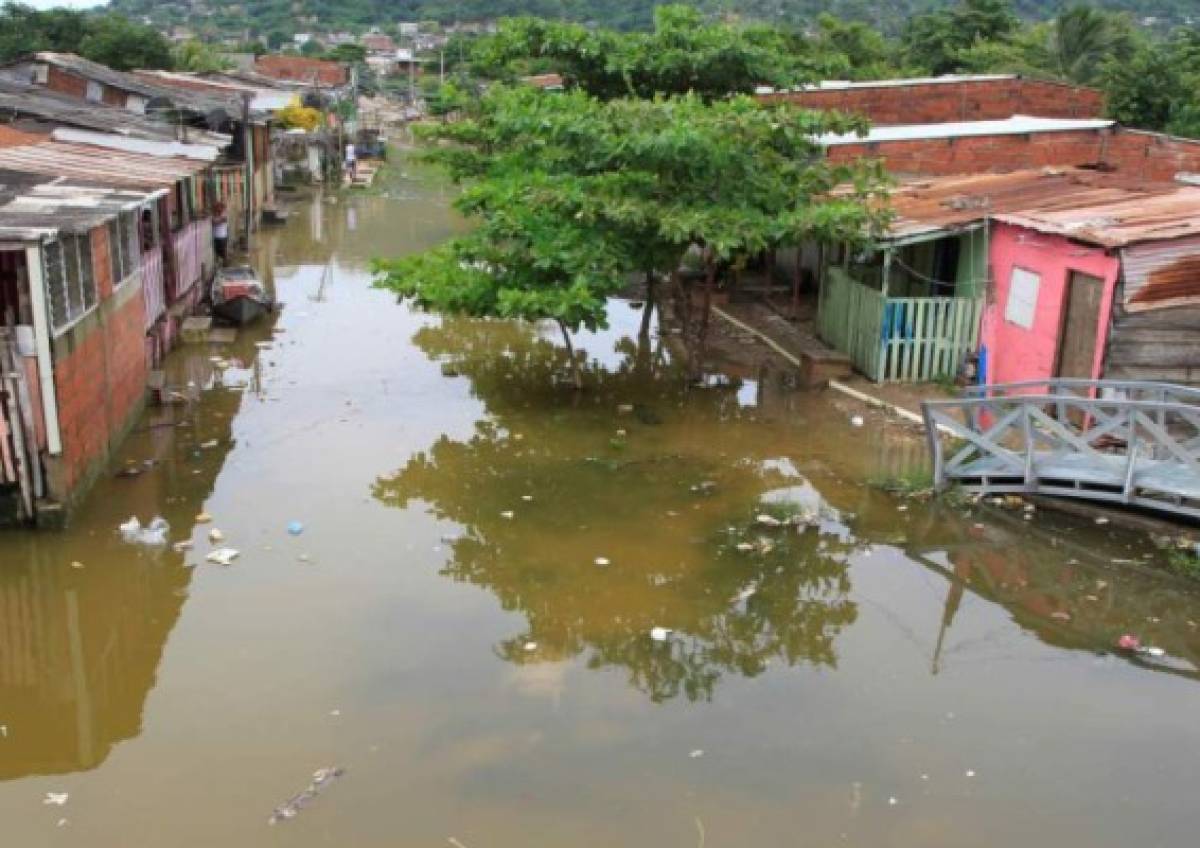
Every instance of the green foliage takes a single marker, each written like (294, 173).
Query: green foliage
(351, 53)
(229, 17)
(1143, 89)
(120, 44)
(861, 51)
(195, 55)
(1084, 38)
(109, 39)
(934, 41)
(683, 53)
(1184, 562)
(572, 193)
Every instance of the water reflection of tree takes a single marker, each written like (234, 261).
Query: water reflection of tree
(637, 500)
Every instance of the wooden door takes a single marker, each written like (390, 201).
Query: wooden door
(1080, 326)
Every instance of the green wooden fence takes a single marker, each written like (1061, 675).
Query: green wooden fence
(897, 339)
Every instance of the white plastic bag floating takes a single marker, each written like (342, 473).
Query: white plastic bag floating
(223, 556)
(153, 534)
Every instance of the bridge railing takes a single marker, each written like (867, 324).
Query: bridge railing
(1145, 390)
(1071, 443)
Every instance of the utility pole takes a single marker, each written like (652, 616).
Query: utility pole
(412, 72)
(442, 66)
(248, 131)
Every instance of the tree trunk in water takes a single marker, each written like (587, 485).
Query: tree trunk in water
(683, 306)
(643, 331)
(576, 373)
(644, 361)
(697, 364)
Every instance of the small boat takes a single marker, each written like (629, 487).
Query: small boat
(238, 295)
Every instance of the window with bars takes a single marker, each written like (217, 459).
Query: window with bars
(70, 283)
(115, 251)
(124, 246)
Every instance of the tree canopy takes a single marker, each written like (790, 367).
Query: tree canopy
(684, 53)
(109, 39)
(572, 194)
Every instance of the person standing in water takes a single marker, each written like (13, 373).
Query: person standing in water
(351, 162)
(221, 232)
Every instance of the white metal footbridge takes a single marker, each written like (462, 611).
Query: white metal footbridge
(1134, 443)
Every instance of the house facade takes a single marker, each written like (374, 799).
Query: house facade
(247, 183)
(1049, 309)
(102, 253)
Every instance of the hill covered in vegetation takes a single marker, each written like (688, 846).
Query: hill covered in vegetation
(283, 18)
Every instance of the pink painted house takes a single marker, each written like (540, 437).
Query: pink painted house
(1049, 309)
(1064, 272)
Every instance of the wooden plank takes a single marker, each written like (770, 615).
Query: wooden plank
(25, 405)
(14, 419)
(8, 473)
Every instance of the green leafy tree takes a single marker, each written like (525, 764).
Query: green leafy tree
(1083, 38)
(196, 56)
(859, 48)
(353, 54)
(573, 194)
(934, 41)
(1026, 52)
(123, 45)
(1143, 90)
(685, 53)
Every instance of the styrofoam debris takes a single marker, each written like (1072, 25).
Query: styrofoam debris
(153, 534)
(223, 556)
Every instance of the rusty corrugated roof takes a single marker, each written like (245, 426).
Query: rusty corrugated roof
(98, 165)
(1100, 208)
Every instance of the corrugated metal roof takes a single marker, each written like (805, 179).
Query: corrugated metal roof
(88, 69)
(34, 206)
(160, 149)
(98, 165)
(201, 103)
(19, 99)
(1016, 125)
(1161, 274)
(1110, 210)
(1167, 211)
(263, 99)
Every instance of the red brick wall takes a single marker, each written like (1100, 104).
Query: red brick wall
(66, 83)
(100, 373)
(937, 103)
(1141, 155)
(1151, 156)
(102, 263)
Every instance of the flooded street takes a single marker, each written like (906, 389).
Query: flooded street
(464, 623)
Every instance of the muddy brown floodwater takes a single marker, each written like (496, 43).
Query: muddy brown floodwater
(438, 659)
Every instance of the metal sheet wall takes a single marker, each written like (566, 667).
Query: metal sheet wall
(1161, 274)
